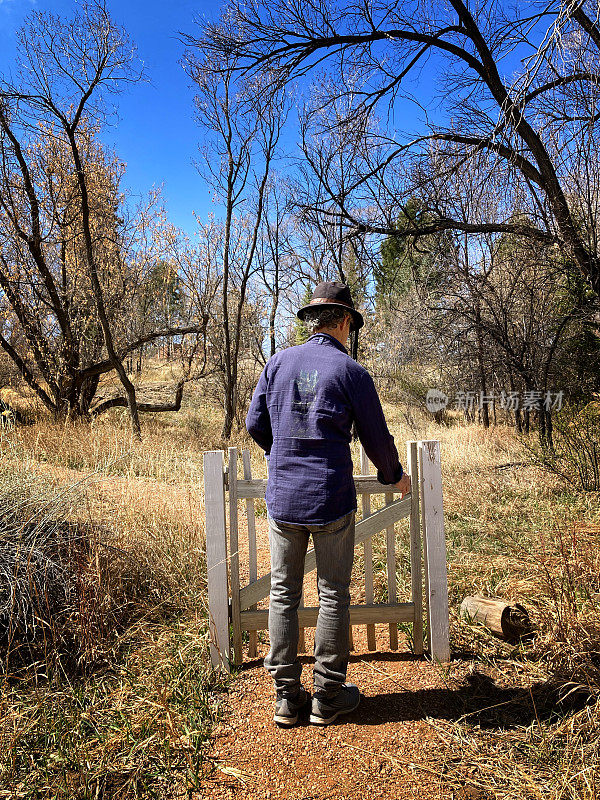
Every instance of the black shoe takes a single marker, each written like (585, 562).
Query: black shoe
(325, 711)
(287, 708)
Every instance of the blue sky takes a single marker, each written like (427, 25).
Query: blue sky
(156, 134)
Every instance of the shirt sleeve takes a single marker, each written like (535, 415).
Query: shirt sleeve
(258, 420)
(373, 431)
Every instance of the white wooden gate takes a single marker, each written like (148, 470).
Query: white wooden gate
(233, 608)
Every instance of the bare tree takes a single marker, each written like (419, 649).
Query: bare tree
(241, 125)
(66, 250)
(508, 320)
(530, 127)
(277, 257)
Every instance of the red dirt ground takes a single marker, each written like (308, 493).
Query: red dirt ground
(381, 749)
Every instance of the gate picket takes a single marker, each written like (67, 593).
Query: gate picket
(416, 577)
(437, 575)
(252, 551)
(390, 549)
(216, 559)
(368, 552)
(234, 556)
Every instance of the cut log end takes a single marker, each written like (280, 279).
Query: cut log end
(508, 621)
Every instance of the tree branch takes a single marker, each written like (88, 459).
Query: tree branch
(27, 374)
(121, 402)
(107, 365)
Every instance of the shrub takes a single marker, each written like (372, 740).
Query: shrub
(106, 686)
(574, 453)
(66, 589)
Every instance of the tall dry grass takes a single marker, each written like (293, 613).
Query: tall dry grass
(106, 687)
(531, 721)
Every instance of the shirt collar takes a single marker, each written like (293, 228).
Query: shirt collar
(327, 338)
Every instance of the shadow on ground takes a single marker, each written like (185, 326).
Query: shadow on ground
(478, 700)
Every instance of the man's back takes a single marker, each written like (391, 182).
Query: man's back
(301, 414)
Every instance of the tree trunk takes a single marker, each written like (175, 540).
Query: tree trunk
(229, 411)
(272, 317)
(480, 363)
(87, 394)
(549, 439)
(545, 427)
(518, 421)
(96, 286)
(517, 411)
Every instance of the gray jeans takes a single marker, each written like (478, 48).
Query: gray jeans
(334, 550)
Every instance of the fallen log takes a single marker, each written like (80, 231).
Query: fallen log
(503, 619)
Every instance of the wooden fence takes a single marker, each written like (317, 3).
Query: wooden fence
(233, 608)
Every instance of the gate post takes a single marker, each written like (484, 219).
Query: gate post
(234, 555)
(416, 571)
(216, 559)
(434, 546)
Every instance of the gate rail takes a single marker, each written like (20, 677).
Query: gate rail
(233, 605)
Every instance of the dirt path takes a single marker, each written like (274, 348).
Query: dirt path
(381, 749)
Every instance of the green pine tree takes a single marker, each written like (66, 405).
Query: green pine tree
(406, 261)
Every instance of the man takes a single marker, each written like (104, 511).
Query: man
(301, 414)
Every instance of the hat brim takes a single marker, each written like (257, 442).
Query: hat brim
(357, 317)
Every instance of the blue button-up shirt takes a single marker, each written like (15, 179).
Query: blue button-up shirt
(301, 414)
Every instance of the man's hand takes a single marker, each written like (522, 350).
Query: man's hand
(403, 485)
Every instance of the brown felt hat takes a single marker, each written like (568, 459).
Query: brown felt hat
(333, 294)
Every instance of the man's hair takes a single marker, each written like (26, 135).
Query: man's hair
(323, 318)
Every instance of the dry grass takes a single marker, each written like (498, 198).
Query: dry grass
(531, 724)
(138, 729)
(530, 727)
(137, 722)
(106, 688)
